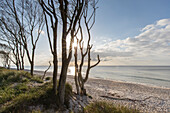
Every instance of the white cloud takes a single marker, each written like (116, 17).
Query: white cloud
(148, 27)
(163, 22)
(151, 46)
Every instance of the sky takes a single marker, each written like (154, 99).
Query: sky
(133, 32)
(126, 32)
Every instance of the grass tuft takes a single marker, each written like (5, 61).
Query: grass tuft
(106, 107)
(16, 95)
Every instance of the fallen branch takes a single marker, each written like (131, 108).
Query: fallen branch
(128, 99)
(46, 70)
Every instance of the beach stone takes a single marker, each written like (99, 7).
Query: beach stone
(128, 94)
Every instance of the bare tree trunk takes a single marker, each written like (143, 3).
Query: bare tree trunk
(22, 63)
(69, 12)
(63, 75)
(32, 68)
(22, 53)
(76, 71)
(55, 71)
(53, 46)
(32, 60)
(62, 81)
(55, 60)
(17, 60)
(17, 66)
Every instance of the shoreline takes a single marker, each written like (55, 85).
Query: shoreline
(143, 97)
(99, 78)
(144, 84)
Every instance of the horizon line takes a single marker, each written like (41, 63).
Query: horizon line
(107, 65)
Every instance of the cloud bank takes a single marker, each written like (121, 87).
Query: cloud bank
(150, 47)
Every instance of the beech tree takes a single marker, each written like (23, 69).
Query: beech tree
(89, 22)
(67, 13)
(31, 12)
(9, 34)
(28, 18)
(50, 11)
(71, 12)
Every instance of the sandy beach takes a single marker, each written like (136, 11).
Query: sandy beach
(143, 97)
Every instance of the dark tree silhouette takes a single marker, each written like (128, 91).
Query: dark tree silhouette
(50, 10)
(28, 18)
(79, 80)
(68, 13)
(10, 34)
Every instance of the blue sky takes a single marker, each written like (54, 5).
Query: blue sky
(126, 32)
(124, 18)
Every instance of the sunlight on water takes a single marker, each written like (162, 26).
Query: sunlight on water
(71, 70)
(151, 75)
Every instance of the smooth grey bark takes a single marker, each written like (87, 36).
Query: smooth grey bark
(68, 13)
(49, 10)
(87, 52)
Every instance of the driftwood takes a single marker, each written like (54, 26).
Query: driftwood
(129, 99)
(46, 71)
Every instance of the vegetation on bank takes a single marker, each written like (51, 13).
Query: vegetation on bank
(106, 107)
(20, 92)
(22, 31)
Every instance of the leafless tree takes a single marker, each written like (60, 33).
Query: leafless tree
(28, 18)
(71, 12)
(50, 10)
(9, 34)
(89, 22)
(68, 13)
(31, 12)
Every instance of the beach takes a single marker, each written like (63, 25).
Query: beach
(146, 98)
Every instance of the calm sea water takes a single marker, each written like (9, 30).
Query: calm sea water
(150, 75)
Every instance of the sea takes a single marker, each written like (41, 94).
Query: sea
(158, 76)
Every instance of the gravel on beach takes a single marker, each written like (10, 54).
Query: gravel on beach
(143, 97)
